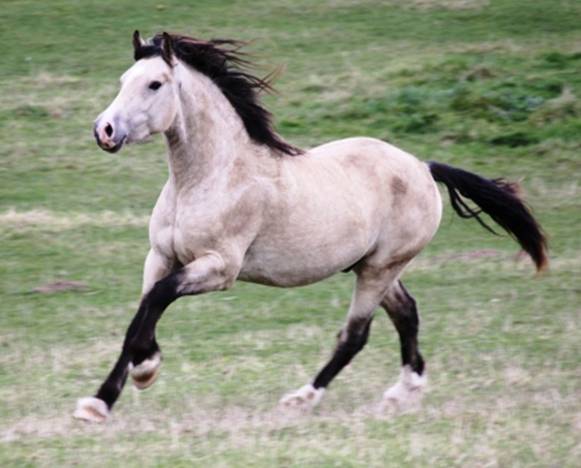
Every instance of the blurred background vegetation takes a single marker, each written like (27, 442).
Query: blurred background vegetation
(492, 86)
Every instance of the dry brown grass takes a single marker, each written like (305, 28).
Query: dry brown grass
(53, 221)
(418, 4)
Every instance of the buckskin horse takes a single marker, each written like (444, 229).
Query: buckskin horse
(241, 203)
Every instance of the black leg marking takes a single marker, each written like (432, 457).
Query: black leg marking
(402, 310)
(111, 388)
(141, 344)
(140, 341)
(350, 341)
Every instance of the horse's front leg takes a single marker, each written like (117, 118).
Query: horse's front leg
(207, 273)
(144, 368)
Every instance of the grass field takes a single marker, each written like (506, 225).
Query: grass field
(491, 86)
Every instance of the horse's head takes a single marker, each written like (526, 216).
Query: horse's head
(148, 100)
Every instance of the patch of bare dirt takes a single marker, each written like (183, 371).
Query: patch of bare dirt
(60, 286)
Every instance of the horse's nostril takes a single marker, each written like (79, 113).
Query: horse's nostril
(109, 130)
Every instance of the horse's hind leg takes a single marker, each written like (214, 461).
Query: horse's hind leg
(368, 293)
(402, 310)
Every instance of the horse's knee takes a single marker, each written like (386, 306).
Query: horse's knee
(164, 292)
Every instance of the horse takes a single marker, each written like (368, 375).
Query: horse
(241, 203)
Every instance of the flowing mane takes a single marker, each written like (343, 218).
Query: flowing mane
(222, 61)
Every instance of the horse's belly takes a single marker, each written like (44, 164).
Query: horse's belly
(318, 231)
(284, 272)
(299, 263)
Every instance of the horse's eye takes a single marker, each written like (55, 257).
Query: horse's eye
(154, 85)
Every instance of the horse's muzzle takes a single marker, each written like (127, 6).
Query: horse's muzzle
(107, 138)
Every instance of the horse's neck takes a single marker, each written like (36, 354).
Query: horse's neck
(207, 135)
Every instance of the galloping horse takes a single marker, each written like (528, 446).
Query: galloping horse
(240, 203)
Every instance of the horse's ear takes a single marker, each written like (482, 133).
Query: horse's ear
(166, 48)
(137, 41)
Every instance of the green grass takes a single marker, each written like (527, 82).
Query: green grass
(491, 86)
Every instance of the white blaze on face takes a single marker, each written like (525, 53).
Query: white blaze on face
(146, 104)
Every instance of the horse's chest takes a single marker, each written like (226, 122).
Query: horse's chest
(185, 233)
(188, 224)
(194, 233)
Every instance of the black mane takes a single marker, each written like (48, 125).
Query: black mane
(223, 62)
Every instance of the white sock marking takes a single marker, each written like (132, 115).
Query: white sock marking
(91, 409)
(305, 398)
(407, 392)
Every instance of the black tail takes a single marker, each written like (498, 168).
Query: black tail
(500, 200)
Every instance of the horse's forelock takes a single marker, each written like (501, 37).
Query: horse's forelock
(146, 51)
(153, 48)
